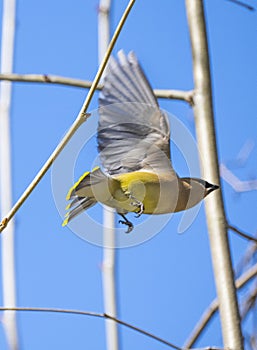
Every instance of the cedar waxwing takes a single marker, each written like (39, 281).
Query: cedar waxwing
(134, 145)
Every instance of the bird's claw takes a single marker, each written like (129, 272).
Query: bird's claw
(128, 223)
(139, 205)
(140, 209)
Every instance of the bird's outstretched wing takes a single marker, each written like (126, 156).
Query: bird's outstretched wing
(133, 133)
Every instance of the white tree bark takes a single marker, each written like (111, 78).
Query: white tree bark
(216, 220)
(109, 253)
(7, 240)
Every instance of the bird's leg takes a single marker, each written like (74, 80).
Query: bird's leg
(136, 203)
(126, 222)
(139, 205)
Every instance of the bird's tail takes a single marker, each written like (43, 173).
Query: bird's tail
(81, 194)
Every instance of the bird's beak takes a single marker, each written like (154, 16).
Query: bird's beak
(213, 188)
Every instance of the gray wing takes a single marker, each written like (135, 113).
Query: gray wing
(133, 133)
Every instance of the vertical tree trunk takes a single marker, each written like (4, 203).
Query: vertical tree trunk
(7, 240)
(109, 253)
(216, 220)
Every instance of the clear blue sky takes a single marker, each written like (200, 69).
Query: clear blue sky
(164, 284)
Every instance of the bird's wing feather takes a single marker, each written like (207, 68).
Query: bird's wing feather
(133, 133)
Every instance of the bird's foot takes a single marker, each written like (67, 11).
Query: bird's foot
(141, 208)
(128, 223)
(139, 205)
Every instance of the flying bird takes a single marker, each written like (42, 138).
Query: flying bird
(133, 138)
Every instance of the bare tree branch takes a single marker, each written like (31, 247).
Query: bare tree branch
(246, 259)
(241, 233)
(249, 302)
(235, 182)
(48, 79)
(8, 240)
(245, 152)
(58, 80)
(213, 307)
(81, 118)
(216, 220)
(176, 95)
(253, 342)
(240, 3)
(96, 314)
(102, 315)
(109, 251)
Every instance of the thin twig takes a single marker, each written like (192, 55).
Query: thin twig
(144, 332)
(241, 233)
(213, 307)
(240, 3)
(253, 342)
(249, 302)
(246, 277)
(210, 348)
(235, 182)
(86, 84)
(82, 117)
(48, 79)
(247, 258)
(186, 96)
(245, 152)
(93, 314)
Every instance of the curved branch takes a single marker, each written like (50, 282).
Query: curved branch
(241, 233)
(240, 3)
(93, 314)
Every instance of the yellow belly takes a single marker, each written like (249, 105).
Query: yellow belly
(158, 193)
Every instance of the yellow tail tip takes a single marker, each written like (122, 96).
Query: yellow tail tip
(68, 194)
(68, 206)
(76, 184)
(65, 222)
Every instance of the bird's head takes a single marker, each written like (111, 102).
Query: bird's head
(196, 189)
